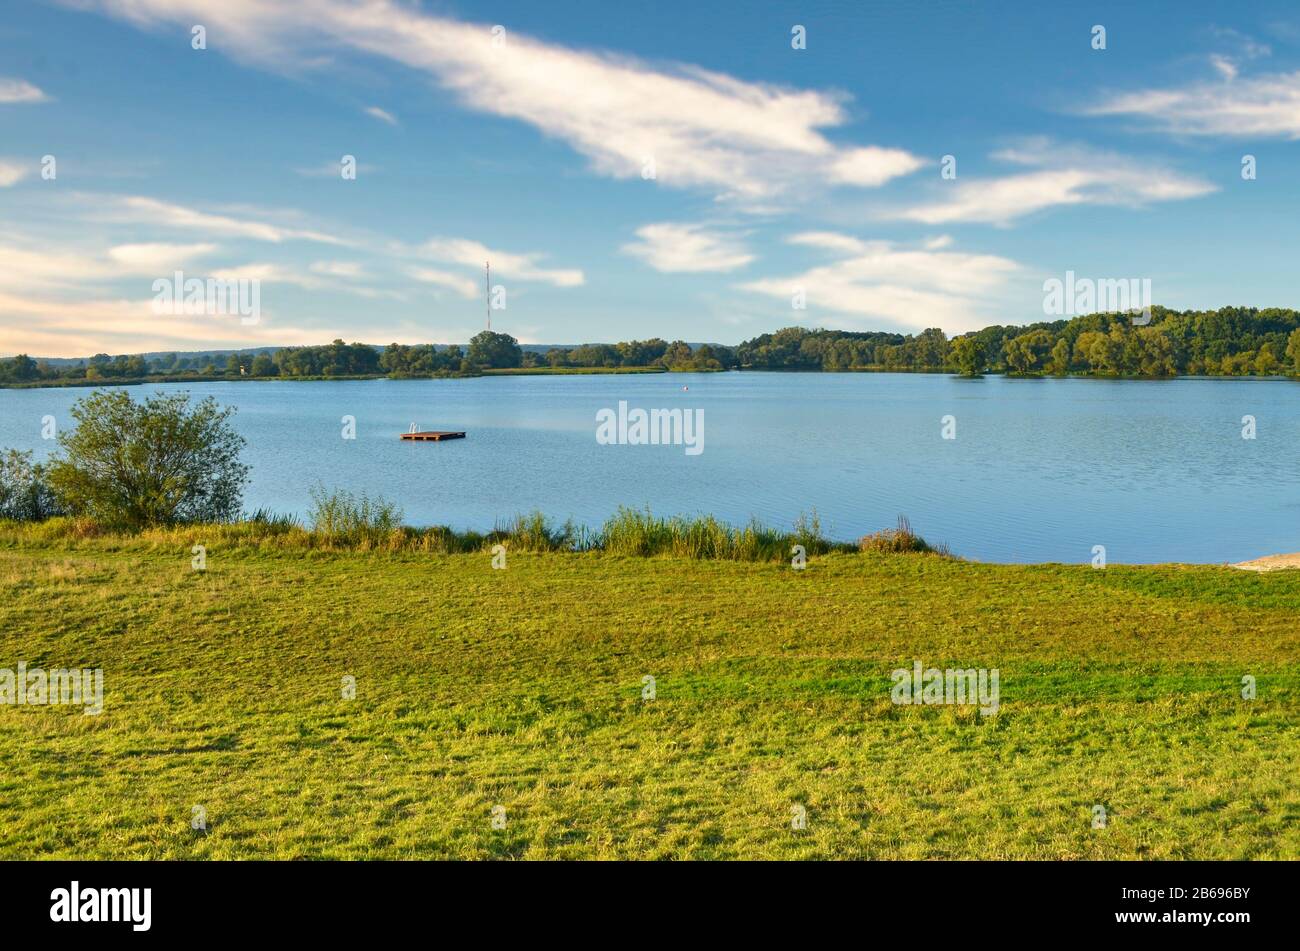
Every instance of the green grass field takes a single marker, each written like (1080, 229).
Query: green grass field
(522, 688)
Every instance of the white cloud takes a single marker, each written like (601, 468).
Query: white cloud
(1064, 176)
(335, 278)
(456, 282)
(81, 294)
(520, 267)
(11, 173)
(830, 241)
(57, 269)
(1246, 47)
(703, 129)
(264, 272)
(157, 257)
(872, 166)
(84, 325)
(879, 280)
(19, 91)
(678, 247)
(137, 209)
(23, 265)
(382, 115)
(345, 269)
(1224, 66)
(1267, 105)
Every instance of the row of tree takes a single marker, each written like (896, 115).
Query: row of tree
(678, 355)
(1226, 342)
(1231, 341)
(337, 359)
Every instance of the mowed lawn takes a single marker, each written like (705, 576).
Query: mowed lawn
(522, 688)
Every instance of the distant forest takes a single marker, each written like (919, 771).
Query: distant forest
(1231, 341)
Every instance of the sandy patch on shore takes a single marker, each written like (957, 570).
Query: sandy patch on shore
(1271, 562)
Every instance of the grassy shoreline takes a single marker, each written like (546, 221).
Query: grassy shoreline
(628, 533)
(346, 522)
(523, 688)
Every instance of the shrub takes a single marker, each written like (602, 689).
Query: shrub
(535, 533)
(342, 516)
(808, 533)
(897, 540)
(25, 493)
(159, 462)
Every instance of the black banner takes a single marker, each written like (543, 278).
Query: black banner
(945, 901)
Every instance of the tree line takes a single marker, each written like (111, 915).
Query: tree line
(486, 351)
(1230, 341)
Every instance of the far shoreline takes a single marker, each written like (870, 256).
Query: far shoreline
(618, 371)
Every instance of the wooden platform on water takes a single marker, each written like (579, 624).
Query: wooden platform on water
(432, 436)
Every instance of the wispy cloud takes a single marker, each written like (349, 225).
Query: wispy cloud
(11, 172)
(519, 267)
(156, 256)
(57, 301)
(333, 279)
(383, 115)
(681, 247)
(20, 91)
(701, 129)
(1061, 176)
(1267, 105)
(84, 325)
(457, 282)
(32, 265)
(1224, 66)
(911, 288)
(91, 263)
(345, 269)
(137, 209)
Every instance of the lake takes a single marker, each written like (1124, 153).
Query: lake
(1040, 470)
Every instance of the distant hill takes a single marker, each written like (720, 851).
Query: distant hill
(156, 354)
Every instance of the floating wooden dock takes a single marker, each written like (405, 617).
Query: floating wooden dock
(432, 436)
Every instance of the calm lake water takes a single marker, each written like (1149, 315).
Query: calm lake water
(1041, 470)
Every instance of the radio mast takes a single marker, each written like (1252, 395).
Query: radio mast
(487, 287)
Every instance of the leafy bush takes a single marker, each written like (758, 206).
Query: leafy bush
(159, 462)
(25, 494)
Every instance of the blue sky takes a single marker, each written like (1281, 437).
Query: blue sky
(775, 170)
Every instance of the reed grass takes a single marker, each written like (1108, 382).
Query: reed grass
(343, 521)
(899, 540)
